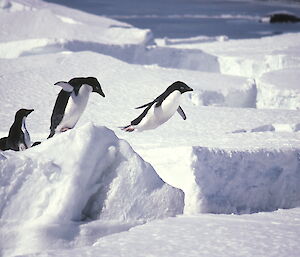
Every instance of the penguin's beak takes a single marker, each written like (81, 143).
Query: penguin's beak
(29, 111)
(99, 91)
(189, 89)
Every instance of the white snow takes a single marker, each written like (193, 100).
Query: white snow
(98, 191)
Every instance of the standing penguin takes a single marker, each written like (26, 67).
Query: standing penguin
(160, 109)
(71, 102)
(18, 138)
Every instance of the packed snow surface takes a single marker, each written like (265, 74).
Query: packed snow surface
(237, 152)
(205, 235)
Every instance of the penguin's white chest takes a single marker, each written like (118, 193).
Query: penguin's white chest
(159, 115)
(75, 107)
(27, 140)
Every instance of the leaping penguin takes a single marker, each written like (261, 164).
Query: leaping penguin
(161, 109)
(18, 138)
(71, 102)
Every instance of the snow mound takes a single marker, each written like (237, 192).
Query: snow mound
(279, 89)
(228, 181)
(86, 173)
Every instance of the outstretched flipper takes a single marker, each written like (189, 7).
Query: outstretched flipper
(158, 100)
(36, 143)
(130, 128)
(65, 86)
(181, 112)
(145, 105)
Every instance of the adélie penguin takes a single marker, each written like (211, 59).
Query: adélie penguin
(71, 102)
(18, 138)
(161, 109)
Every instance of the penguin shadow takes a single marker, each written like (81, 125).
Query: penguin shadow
(18, 138)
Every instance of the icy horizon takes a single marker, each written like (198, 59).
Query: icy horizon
(182, 19)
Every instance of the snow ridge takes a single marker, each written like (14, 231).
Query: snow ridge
(88, 181)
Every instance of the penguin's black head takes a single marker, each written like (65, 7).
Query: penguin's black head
(23, 113)
(181, 87)
(94, 83)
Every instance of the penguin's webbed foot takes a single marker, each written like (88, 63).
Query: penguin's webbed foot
(128, 128)
(22, 147)
(64, 129)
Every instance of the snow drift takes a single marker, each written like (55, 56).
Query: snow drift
(83, 174)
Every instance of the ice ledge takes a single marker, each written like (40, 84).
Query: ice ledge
(279, 89)
(231, 181)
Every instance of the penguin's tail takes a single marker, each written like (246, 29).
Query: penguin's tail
(51, 134)
(3, 146)
(128, 128)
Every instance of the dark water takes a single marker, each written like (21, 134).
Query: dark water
(190, 18)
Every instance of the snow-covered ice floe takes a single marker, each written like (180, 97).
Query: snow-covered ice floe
(279, 89)
(82, 175)
(252, 57)
(217, 180)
